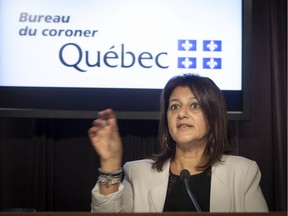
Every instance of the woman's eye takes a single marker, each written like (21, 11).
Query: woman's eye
(174, 106)
(195, 106)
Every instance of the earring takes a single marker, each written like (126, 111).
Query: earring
(166, 144)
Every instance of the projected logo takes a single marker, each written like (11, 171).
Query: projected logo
(189, 61)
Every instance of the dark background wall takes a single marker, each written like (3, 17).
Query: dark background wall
(49, 164)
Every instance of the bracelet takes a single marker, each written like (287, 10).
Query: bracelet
(110, 178)
(117, 172)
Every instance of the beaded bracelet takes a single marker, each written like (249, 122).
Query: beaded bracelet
(117, 172)
(110, 178)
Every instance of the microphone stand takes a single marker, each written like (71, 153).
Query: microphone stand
(185, 175)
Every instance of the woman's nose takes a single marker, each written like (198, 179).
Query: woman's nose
(183, 113)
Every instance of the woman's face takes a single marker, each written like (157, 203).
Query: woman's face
(186, 121)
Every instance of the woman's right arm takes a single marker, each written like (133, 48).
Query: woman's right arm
(105, 139)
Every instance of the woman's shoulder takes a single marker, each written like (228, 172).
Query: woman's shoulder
(234, 162)
(142, 164)
(142, 167)
(236, 159)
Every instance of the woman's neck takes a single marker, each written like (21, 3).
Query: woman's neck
(188, 159)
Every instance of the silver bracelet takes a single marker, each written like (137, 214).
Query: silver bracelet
(108, 180)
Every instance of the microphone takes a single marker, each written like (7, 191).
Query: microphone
(185, 175)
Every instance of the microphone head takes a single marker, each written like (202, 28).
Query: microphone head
(184, 174)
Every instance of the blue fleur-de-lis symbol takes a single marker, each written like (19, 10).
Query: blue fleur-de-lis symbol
(212, 63)
(212, 46)
(187, 45)
(187, 63)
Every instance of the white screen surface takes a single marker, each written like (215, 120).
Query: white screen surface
(119, 43)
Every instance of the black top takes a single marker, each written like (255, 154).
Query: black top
(177, 198)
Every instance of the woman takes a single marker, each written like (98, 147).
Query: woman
(193, 136)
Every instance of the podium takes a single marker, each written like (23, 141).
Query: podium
(139, 214)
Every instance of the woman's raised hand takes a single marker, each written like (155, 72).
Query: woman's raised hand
(105, 138)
